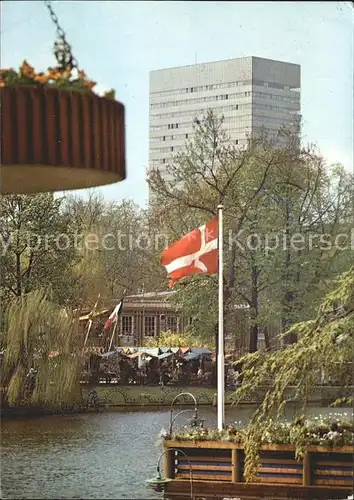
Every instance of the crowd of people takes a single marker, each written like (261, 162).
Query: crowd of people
(173, 370)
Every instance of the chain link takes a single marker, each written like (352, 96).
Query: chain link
(62, 49)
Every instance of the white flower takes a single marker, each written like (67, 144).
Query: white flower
(163, 433)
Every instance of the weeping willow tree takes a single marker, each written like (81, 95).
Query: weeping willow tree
(325, 347)
(42, 353)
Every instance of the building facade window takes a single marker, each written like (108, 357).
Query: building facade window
(150, 326)
(172, 323)
(127, 325)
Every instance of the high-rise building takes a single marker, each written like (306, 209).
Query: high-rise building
(251, 93)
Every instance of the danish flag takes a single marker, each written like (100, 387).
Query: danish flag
(196, 252)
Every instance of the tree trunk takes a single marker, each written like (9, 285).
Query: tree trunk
(253, 340)
(289, 295)
(266, 338)
(28, 273)
(18, 275)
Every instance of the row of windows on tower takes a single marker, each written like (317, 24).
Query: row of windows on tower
(171, 137)
(172, 125)
(190, 90)
(163, 160)
(217, 98)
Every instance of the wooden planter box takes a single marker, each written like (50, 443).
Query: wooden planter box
(219, 465)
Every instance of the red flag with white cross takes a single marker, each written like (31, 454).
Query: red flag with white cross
(195, 253)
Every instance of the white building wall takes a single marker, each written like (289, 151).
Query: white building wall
(252, 93)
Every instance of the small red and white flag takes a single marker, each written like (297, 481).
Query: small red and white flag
(114, 316)
(196, 252)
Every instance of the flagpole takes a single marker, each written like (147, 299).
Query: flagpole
(221, 354)
(116, 322)
(90, 320)
(88, 331)
(114, 331)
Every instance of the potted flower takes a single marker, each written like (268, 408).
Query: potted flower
(59, 78)
(57, 133)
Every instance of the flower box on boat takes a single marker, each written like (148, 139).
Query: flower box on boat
(218, 467)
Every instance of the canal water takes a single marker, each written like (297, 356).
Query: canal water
(94, 455)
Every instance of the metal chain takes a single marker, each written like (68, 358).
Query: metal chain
(62, 49)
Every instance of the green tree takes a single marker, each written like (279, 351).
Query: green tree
(325, 346)
(268, 192)
(301, 211)
(37, 247)
(210, 171)
(35, 326)
(116, 248)
(172, 339)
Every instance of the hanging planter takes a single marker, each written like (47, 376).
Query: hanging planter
(56, 133)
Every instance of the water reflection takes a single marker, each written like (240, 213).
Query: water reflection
(105, 455)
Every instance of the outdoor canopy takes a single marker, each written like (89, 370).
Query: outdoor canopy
(110, 354)
(165, 355)
(152, 351)
(197, 353)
